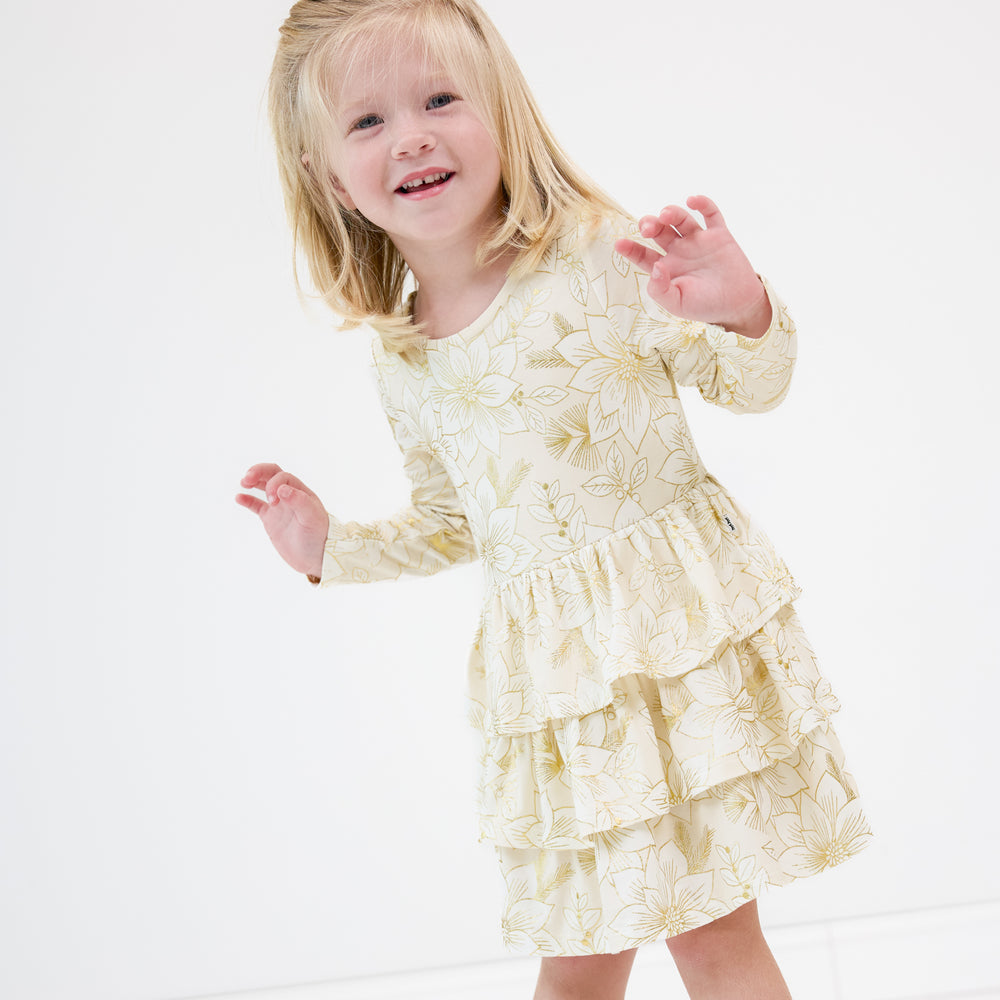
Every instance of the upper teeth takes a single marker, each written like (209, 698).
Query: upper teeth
(431, 179)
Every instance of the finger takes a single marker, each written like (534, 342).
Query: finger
(252, 504)
(660, 230)
(303, 505)
(274, 484)
(650, 226)
(290, 494)
(709, 211)
(641, 256)
(680, 220)
(660, 277)
(257, 475)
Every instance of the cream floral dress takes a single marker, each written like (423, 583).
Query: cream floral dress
(656, 739)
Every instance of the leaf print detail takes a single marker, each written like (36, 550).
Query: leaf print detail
(547, 359)
(622, 485)
(506, 489)
(619, 263)
(837, 772)
(584, 922)
(570, 437)
(574, 649)
(743, 873)
(682, 464)
(562, 325)
(535, 420)
(658, 575)
(696, 854)
(548, 886)
(520, 313)
(546, 395)
(574, 271)
(568, 521)
(602, 486)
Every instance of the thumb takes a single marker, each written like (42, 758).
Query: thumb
(304, 505)
(291, 495)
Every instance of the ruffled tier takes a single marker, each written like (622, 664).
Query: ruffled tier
(694, 864)
(656, 598)
(658, 743)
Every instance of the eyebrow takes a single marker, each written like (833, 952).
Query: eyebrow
(368, 99)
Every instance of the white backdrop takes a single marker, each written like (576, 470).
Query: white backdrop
(188, 733)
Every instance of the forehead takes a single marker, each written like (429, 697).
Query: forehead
(386, 58)
(381, 70)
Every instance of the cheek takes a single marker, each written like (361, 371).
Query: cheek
(486, 151)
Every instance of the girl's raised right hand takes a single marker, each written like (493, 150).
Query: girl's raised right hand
(293, 516)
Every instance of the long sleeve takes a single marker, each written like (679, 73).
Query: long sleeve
(428, 535)
(730, 370)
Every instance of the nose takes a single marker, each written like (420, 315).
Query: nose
(412, 137)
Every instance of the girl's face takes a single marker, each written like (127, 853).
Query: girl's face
(412, 156)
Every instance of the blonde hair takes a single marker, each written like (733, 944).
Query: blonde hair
(353, 263)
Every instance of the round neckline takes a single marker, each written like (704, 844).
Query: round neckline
(476, 326)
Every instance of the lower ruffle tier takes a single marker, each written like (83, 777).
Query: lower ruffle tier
(695, 863)
(660, 742)
(678, 802)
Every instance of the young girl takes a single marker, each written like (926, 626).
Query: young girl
(656, 738)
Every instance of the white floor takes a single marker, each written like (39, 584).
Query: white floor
(940, 954)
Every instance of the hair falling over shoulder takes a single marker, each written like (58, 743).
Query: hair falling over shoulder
(353, 264)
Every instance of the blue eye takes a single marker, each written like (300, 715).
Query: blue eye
(369, 121)
(440, 101)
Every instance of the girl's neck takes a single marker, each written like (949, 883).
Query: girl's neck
(452, 290)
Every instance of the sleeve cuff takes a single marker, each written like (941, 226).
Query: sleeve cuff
(332, 570)
(779, 322)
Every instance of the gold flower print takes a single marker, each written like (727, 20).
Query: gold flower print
(503, 551)
(626, 390)
(472, 393)
(829, 832)
(524, 918)
(656, 736)
(675, 904)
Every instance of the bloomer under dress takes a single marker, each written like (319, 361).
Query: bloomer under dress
(657, 746)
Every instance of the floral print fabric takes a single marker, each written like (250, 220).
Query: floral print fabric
(656, 738)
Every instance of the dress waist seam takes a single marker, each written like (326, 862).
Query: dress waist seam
(708, 489)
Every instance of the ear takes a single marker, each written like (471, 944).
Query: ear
(342, 196)
(338, 189)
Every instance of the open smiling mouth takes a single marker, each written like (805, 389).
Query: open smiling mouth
(423, 183)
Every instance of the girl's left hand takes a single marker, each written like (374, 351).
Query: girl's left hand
(702, 273)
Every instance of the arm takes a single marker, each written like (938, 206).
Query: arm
(423, 538)
(428, 535)
(725, 330)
